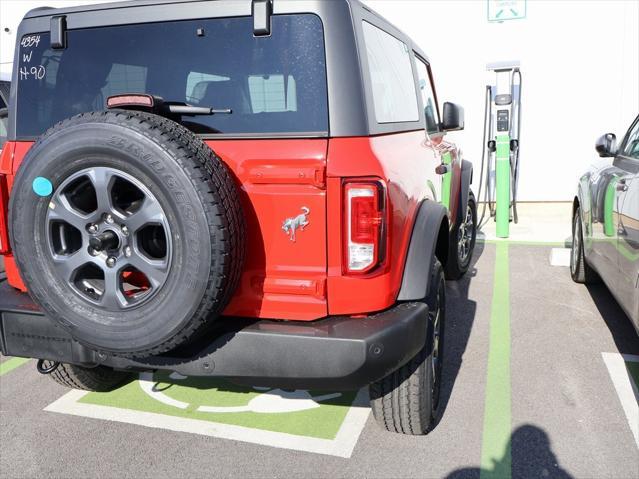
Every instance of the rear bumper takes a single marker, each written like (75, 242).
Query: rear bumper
(333, 353)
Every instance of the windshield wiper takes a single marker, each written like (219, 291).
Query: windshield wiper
(190, 110)
(157, 105)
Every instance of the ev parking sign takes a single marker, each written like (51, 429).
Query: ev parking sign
(502, 10)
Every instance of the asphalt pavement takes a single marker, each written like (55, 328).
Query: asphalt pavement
(527, 393)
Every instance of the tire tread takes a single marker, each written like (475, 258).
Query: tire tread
(98, 379)
(399, 401)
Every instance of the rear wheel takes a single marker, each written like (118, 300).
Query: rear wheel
(407, 400)
(462, 241)
(98, 379)
(580, 271)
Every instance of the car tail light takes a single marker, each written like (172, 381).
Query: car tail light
(364, 226)
(116, 101)
(4, 205)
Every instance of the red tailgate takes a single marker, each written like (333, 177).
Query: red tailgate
(282, 279)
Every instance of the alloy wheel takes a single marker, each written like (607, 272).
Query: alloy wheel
(465, 236)
(109, 238)
(436, 361)
(576, 244)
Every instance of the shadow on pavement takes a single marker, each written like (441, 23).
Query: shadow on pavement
(460, 315)
(528, 454)
(619, 324)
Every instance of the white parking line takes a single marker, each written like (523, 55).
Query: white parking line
(626, 390)
(560, 257)
(342, 446)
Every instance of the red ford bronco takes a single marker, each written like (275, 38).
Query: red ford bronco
(256, 189)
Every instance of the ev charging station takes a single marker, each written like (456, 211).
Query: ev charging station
(500, 154)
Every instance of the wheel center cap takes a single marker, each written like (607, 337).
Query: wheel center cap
(106, 241)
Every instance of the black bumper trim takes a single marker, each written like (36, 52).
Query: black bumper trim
(333, 353)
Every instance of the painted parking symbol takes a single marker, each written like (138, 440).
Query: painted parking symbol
(312, 421)
(271, 401)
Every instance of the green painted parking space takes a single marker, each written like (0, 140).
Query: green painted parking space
(312, 421)
(11, 364)
(303, 413)
(497, 422)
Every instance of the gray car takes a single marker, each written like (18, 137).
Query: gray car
(605, 227)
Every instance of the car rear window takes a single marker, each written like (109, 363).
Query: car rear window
(274, 84)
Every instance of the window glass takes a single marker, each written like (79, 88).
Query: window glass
(274, 84)
(391, 73)
(197, 83)
(631, 148)
(428, 98)
(269, 93)
(3, 131)
(3, 125)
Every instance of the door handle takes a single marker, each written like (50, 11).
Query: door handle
(621, 185)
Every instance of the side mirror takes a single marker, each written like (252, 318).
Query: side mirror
(606, 145)
(4, 113)
(453, 117)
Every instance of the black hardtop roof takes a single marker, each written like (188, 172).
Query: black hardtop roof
(351, 107)
(50, 11)
(47, 11)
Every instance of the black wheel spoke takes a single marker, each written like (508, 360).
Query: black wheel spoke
(102, 180)
(149, 213)
(112, 296)
(67, 265)
(156, 271)
(61, 210)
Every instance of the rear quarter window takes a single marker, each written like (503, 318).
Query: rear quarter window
(4, 123)
(274, 84)
(391, 76)
(4, 120)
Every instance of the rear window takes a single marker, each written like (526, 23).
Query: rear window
(274, 84)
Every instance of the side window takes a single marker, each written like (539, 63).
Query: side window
(428, 97)
(631, 148)
(393, 85)
(4, 123)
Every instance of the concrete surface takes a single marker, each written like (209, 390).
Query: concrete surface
(566, 418)
(538, 222)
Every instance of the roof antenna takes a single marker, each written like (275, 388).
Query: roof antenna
(262, 11)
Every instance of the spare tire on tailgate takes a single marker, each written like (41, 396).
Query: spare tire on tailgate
(127, 230)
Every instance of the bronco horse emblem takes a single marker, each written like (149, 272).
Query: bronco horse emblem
(290, 225)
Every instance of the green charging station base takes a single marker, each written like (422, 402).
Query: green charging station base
(502, 184)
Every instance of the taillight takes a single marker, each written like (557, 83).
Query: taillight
(130, 99)
(4, 204)
(364, 225)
